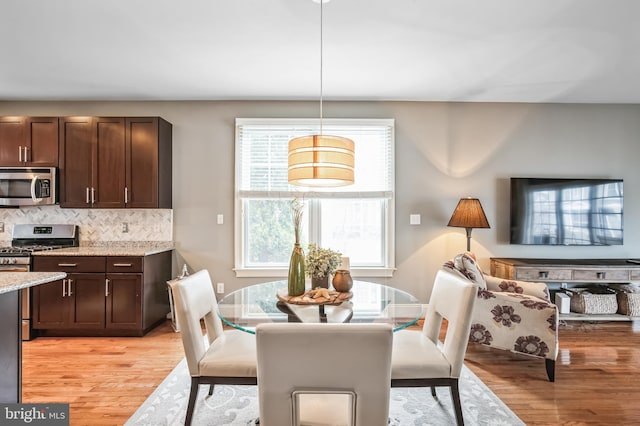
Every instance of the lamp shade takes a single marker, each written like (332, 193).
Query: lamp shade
(469, 214)
(321, 160)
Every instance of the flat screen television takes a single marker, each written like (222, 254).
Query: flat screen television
(571, 212)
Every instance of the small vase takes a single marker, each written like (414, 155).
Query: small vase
(296, 272)
(342, 281)
(320, 282)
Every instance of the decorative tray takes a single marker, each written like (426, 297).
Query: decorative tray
(317, 296)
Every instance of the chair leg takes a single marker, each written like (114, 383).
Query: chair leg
(457, 406)
(193, 394)
(433, 391)
(210, 390)
(550, 364)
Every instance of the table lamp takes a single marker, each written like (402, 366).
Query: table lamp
(469, 214)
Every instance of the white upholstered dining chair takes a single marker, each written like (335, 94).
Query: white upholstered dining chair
(324, 374)
(419, 359)
(223, 357)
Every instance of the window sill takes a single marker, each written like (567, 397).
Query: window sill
(282, 272)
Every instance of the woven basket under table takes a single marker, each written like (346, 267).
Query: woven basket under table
(593, 300)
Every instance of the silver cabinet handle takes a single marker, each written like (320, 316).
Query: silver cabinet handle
(601, 275)
(20, 154)
(106, 287)
(26, 157)
(87, 195)
(68, 265)
(123, 265)
(126, 195)
(93, 195)
(69, 292)
(64, 287)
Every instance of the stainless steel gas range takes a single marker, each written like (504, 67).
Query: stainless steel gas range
(29, 238)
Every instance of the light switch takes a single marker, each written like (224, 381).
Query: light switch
(220, 219)
(414, 219)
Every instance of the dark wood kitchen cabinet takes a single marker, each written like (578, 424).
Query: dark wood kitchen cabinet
(74, 302)
(121, 296)
(29, 141)
(112, 162)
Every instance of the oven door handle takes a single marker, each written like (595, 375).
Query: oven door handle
(33, 189)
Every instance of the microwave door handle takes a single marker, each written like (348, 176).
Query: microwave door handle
(33, 189)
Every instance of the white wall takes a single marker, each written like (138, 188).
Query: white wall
(444, 151)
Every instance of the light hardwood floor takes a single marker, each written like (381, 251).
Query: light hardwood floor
(597, 375)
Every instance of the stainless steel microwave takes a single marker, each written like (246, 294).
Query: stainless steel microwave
(28, 186)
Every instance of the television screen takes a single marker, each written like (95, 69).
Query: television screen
(576, 212)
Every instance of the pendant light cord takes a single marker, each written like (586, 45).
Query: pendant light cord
(321, 7)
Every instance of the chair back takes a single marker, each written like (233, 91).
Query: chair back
(324, 371)
(194, 300)
(453, 298)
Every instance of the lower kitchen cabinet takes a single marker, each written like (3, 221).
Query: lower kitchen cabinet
(102, 295)
(124, 293)
(74, 302)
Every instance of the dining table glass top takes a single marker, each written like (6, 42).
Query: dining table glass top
(369, 302)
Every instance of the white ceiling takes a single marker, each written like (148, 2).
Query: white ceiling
(585, 51)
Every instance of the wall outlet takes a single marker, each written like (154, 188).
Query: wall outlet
(414, 219)
(125, 227)
(220, 219)
(220, 288)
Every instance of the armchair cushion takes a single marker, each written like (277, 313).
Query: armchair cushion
(465, 265)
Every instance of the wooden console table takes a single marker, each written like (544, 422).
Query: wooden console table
(568, 273)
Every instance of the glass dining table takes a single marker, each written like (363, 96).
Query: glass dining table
(368, 302)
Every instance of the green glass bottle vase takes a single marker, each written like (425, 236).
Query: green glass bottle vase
(296, 271)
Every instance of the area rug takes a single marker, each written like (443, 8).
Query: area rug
(238, 405)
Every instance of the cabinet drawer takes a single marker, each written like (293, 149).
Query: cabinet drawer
(124, 264)
(542, 274)
(635, 275)
(69, 263)
(601, 275)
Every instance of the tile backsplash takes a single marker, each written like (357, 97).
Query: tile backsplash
(96, 224)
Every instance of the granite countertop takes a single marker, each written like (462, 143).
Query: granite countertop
(112, 248)
(10, 281)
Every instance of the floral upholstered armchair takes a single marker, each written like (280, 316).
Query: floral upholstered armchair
(512, 315)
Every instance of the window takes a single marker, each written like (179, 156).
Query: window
(356, 220)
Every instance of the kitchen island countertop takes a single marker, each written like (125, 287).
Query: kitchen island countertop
(112, 248)
(10, 281)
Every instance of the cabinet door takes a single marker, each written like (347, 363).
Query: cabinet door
(12, 141)
(87, 300)
(42, 141)
(109, 171)
(76, 161)
(142, 162)
(50, 305)
(124, 301)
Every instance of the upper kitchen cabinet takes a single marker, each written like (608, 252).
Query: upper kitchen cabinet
(113, 162)
(29, 141)
(148, 163)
